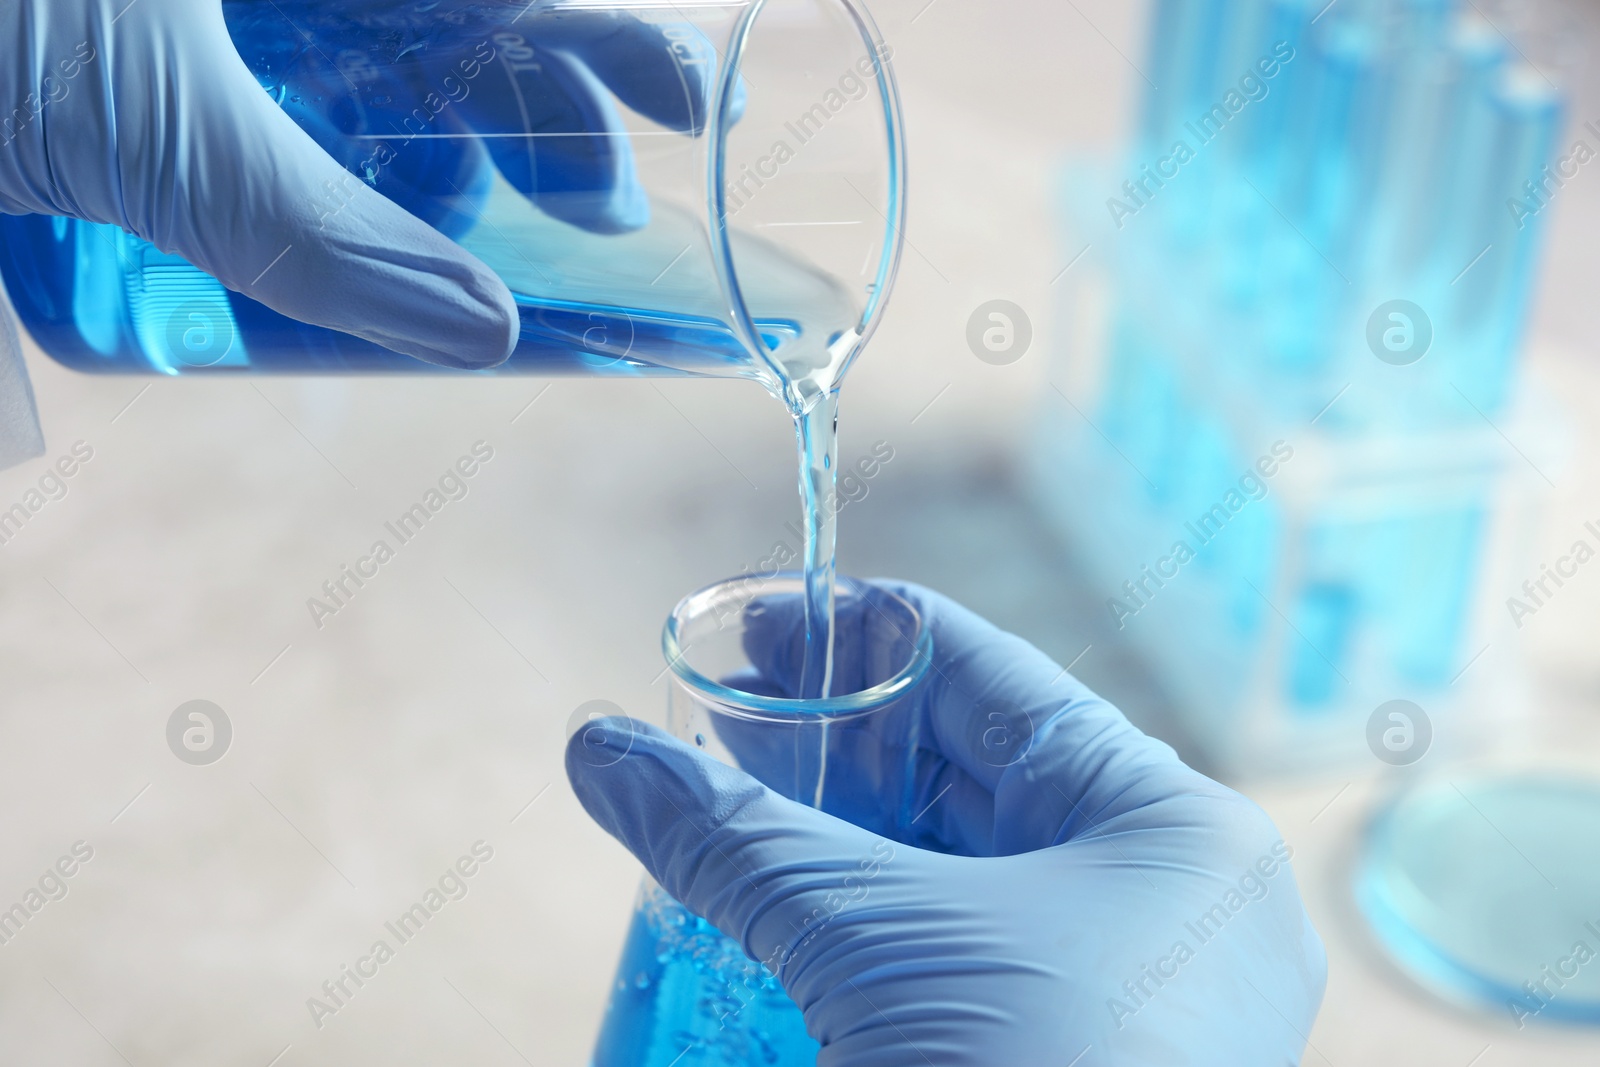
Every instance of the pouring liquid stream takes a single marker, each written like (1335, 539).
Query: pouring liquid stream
(807, 373)
(817, 432)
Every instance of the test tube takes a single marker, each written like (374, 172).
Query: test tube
(1281, 122)
(1235, 214)
(1327, 611)
(1235, 83)
(1310, 251)
(1241, 42)
(1175, 29)
(1512, 202)
(1439, 555)
(1197, 86)
(1418, 152)
(1350, 201)
(1139, 402)
(1285, 270)
(1208, 74)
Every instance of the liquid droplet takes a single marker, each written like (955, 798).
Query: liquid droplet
(700, 739)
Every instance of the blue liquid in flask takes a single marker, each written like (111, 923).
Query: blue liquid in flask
(686, 995)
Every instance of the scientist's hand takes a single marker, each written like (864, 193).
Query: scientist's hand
(140, 113)
(1072, 894)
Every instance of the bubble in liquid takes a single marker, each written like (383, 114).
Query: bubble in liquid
(641, 981)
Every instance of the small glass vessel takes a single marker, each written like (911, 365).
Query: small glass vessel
(686, 995)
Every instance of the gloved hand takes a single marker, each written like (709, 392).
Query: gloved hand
(142, 114)
(1073, 894)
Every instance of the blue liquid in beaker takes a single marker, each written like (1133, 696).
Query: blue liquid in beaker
(100, 300)
(642, 298)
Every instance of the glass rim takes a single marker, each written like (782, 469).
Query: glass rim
(716, 192)
(740, 704)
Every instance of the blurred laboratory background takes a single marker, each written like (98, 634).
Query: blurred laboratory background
(1243, 358)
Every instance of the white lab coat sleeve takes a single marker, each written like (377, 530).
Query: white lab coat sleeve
(20, 436)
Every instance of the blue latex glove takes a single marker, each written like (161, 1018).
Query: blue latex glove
(141, 113)
(1072, 890)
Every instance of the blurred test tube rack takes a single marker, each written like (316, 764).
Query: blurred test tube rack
(1294, 369)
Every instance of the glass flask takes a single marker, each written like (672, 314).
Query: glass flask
(760, 239)
(686, 995)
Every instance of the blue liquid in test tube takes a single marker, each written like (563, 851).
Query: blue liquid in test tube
(1493, 296)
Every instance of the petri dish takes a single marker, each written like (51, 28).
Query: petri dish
(1485, 888)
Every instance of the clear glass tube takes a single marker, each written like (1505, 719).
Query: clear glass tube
(684, 992)
(703, 189)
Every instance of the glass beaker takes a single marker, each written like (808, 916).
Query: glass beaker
(667, 188)
(685, 993)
